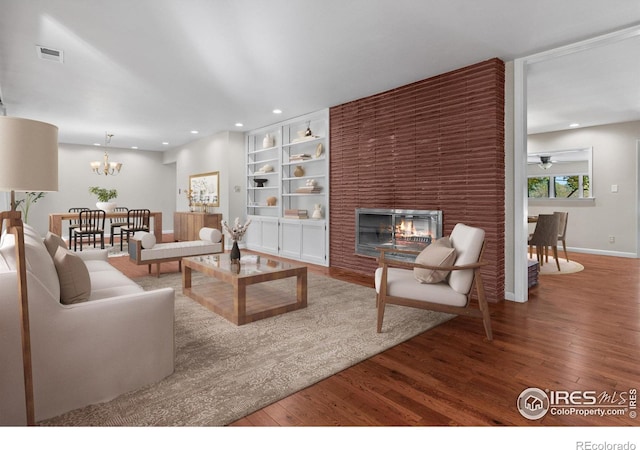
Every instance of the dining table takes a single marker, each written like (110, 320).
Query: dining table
(55, 221)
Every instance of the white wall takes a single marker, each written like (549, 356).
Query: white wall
(224, 152)
(610, 214)
(144, 182)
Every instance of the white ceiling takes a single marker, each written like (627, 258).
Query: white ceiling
(150, 71)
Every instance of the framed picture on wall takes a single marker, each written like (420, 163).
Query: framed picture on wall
(205, 189)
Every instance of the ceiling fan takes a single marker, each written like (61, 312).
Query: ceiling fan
(545, 162)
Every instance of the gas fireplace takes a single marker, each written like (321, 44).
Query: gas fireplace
(395, 228)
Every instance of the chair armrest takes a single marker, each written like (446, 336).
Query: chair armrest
(94, 255)
(413, 265)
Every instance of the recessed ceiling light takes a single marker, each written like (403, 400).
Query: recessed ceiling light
(277, 111)
(194, 131)
(134, 147)
(165, 143)
(97, 144)
(574, 125)
(239, 124)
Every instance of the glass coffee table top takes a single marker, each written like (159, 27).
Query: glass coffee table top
(249, 264)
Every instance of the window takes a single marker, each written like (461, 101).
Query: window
(559, 186)
(560, 174)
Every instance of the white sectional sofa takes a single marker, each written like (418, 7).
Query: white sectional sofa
(119, 339)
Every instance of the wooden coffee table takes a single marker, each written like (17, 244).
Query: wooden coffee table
(232, 300)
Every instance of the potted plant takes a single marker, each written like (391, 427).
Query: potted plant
(104, 195)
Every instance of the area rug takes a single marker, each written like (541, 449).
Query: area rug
(550, 268)
(224, 372)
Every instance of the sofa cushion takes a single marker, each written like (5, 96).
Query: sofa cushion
(439, 253)
(52, 242)
(39, 262)
(75, 284)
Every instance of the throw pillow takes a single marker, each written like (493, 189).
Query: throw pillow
(439, 253)
(52, 242)
(147, 240)
(210, 234)
(75, 283)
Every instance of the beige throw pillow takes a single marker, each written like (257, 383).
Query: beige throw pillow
(75, 283)
(438, 253)
(52, 242)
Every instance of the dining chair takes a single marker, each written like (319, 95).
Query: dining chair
(545, 235)
(137, 220)
(562, 230)
(74, 223)
(117, 222)
(91, 225)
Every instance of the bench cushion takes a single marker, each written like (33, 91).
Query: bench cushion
(179, 249)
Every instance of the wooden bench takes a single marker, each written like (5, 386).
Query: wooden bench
(144, 251)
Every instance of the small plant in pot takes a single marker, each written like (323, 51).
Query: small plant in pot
(104, 197)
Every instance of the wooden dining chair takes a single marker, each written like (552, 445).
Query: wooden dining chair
(73, 224)
(137, 220)
(545, 235)
(91, 225)
(562, 230)
(117, 222)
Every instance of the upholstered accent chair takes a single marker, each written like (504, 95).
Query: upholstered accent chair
(439, 286)
(545, 235)
(562, 230)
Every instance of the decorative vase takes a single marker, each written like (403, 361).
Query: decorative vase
(234, 255)
(267, 141)
(299, 171)
(317, 211)
(106, 206)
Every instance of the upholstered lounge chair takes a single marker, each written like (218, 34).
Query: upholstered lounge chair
(396, 281)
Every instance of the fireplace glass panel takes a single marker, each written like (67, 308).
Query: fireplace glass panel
(395, 228)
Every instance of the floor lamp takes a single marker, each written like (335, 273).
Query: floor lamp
(28, 163)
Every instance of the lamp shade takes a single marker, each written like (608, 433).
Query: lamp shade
(28, 155)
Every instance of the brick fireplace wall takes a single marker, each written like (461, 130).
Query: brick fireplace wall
(433, 144)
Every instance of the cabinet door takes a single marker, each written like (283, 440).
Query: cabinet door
(290, 239)
(313, 243)
(253, 236)
(270, 235)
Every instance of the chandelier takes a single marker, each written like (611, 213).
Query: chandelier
(106, 167)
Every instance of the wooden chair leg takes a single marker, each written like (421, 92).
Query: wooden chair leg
(484, 307)
(564, 247)
(381, 305)
(555, 255)
(158, 270)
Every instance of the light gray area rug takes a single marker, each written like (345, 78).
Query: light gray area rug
(224, 372)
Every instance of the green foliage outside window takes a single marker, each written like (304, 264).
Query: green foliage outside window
(539, 187)
(564, 186)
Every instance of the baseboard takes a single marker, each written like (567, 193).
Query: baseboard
(592, 251)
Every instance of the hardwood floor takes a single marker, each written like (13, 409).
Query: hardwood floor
(578, 332)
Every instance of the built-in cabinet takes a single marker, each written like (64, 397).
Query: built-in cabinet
(187, 225)
(288, 188)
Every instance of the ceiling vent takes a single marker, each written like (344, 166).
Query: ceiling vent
(50, 54)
